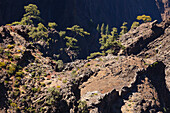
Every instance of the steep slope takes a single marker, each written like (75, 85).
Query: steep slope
(134, 82)
(150, 40)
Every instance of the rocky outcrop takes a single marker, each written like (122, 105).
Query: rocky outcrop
(149, 40)
(163, 6)
(137, 80)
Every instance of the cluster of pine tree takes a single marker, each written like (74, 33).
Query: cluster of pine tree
(109, 40)
(38, 31)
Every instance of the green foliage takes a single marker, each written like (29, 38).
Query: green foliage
(62, 33)
(78, 30)
(2, 64)
(124, 29)
(59, 65)
(98, 29)
(16, 83)
(43, 84)
(16, 57)
(93, 55)
(53, 95)
(82, 106)
(34, 90)
(19, 74)
(52, 25)
(18, 78)
(73, 72)
(39, 32)
(1, 50)
(64, 81)
(107, 40)
(16, 93)
(10, 46)
(71, 42)
(13, 105)
(102, 29)
(88, 64)
(11, 69)
(134, 25)
(32, 12)
(144, 18)
(7, 53)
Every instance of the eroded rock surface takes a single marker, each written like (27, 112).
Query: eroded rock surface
(135, 81)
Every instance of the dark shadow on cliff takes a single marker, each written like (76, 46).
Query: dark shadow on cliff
(156, 73)
(142, 42)
(26, 59)
(3, 97)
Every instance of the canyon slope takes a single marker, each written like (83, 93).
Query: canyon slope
(135, 80)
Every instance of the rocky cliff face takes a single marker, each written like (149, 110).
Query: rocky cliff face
(86, 13)
(137, 80)
(163, 6)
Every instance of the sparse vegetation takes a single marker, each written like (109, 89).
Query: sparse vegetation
(2, 64)
(144, 18)
(94, 55)
(10, 46)
(82, 106)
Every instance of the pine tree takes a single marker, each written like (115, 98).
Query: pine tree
(135, 24)
(38, 33)
(144, 18)
(52, 25)
(124, 29)
(108, 40)
(98, 29)
(107, 30)
(71, 40)
(32, 12)
(102, 29)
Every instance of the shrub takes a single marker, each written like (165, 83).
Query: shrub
(93, 55)
(10, 46)
(1, 50)
(59, 65)
(34, 90)
(12, 69)
(16, 57)
(13, 105)
(6, 81)
(82, 106)
(88, 64)
(134, 25)
(43, 84)
(16, 84)
(16, 93)
(18, 50)
(19, 74)
(58, 86)
(2, 64)
(52, 25)
(64, 81)
(7, 53)
(144, 18)
(18, 78)
(38, 33)
(124, 29)
(73, 72)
